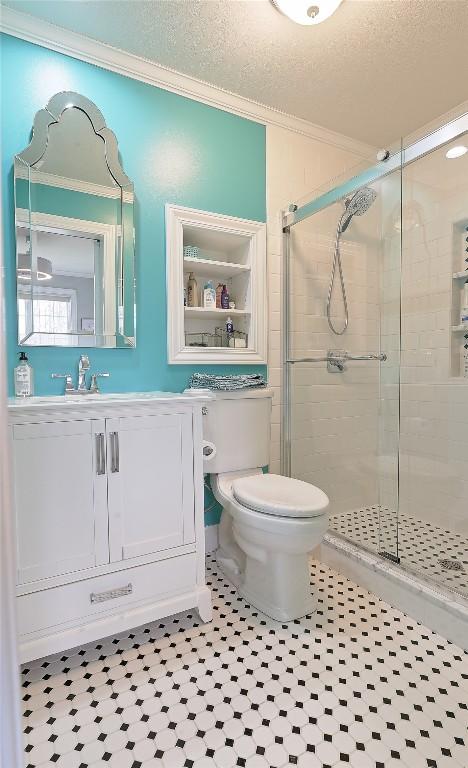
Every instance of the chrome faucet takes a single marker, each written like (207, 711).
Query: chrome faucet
(83, 367)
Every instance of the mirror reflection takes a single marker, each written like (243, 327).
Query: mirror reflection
(74, 232)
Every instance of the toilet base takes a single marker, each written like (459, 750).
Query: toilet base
(279, 586)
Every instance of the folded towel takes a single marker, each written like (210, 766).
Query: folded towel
(226, 383)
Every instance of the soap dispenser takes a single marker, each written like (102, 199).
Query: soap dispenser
(24, 377)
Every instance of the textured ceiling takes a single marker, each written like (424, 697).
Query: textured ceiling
(376, 70)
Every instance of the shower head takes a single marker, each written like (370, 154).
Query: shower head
(356, 205)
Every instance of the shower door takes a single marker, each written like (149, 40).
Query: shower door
(434, 387)
(341, 423)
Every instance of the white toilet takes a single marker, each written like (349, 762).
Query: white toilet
(269, 523)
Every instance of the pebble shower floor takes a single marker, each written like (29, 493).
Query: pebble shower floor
(357, 684)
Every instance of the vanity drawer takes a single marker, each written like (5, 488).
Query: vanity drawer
(67, 605)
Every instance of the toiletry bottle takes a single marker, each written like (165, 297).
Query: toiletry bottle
(24, 377)
(225, 298)
(465, 361)
(229, 326)
(464, 312)
(192, 291)
(219, 290)
(209, 296)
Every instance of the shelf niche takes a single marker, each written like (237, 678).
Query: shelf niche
(229, 251)
(459, 333)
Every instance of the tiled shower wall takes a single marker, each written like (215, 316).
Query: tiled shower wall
(434, 393)
(346, 427)
(297, 165)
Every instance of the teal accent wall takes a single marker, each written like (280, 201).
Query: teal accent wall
(175, 150)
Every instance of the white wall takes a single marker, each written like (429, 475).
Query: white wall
(296, 167)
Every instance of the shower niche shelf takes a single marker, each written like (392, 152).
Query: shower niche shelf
(225, 250)
(459, 332)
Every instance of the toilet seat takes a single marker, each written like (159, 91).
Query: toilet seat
(279, 496)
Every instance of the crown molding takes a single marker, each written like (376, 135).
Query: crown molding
(77, 46)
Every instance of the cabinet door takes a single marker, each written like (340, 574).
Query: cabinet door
(60, 499)
(150, 481)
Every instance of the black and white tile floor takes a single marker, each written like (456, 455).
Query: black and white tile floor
(421, 545)
(357, 684)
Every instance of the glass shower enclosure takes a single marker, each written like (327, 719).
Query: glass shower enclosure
(375, 406)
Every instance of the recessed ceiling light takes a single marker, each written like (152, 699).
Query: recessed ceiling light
(458, 151)
(307, 11)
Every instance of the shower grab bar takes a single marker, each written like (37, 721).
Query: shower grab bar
(336, 359)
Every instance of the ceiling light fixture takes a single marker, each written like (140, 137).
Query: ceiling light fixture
(307, 12)
(44, 267)
(458, 151)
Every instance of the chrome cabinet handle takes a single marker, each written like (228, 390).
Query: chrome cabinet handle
(115, 461)
(100, 454)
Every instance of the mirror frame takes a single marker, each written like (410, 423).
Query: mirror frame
(51, 114)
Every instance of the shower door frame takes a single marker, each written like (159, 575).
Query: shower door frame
(397, 161)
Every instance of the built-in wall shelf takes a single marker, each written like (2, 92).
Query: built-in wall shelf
(459, 331)
(204, 312)
(226, 251)
(215, 269)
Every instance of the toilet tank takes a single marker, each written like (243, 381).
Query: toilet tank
(239, 425)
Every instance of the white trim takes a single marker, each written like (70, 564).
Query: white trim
(177, 217)
(211, 538)
(56, 38)
(11, 743)
(76, 185)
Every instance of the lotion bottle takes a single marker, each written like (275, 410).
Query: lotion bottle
(209, 296)
(24, 377)
(192, 291)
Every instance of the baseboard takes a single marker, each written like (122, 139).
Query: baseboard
(211, 538)
(438, 609)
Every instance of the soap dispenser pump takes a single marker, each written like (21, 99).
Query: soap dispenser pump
(24, 377)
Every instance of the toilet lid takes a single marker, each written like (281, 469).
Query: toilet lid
(280, 496)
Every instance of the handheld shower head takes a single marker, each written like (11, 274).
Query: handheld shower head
(357, 205)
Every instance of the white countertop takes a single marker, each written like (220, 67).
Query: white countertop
(113, 398)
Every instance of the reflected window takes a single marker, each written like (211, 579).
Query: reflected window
(54, 312)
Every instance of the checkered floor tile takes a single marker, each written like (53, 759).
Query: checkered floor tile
(357, 684)
(421, 545)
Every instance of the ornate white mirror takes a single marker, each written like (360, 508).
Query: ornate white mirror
(74, 231)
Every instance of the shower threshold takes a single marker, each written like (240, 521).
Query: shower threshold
(434, 605)
(420, 547)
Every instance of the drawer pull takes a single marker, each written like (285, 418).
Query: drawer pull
(111, 594)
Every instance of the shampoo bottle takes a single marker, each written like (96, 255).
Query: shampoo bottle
(24, 377)
(229, 326)
(225, 298)
(219, 291)
(209, 296)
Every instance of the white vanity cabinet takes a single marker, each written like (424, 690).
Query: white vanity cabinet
(109, 515)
